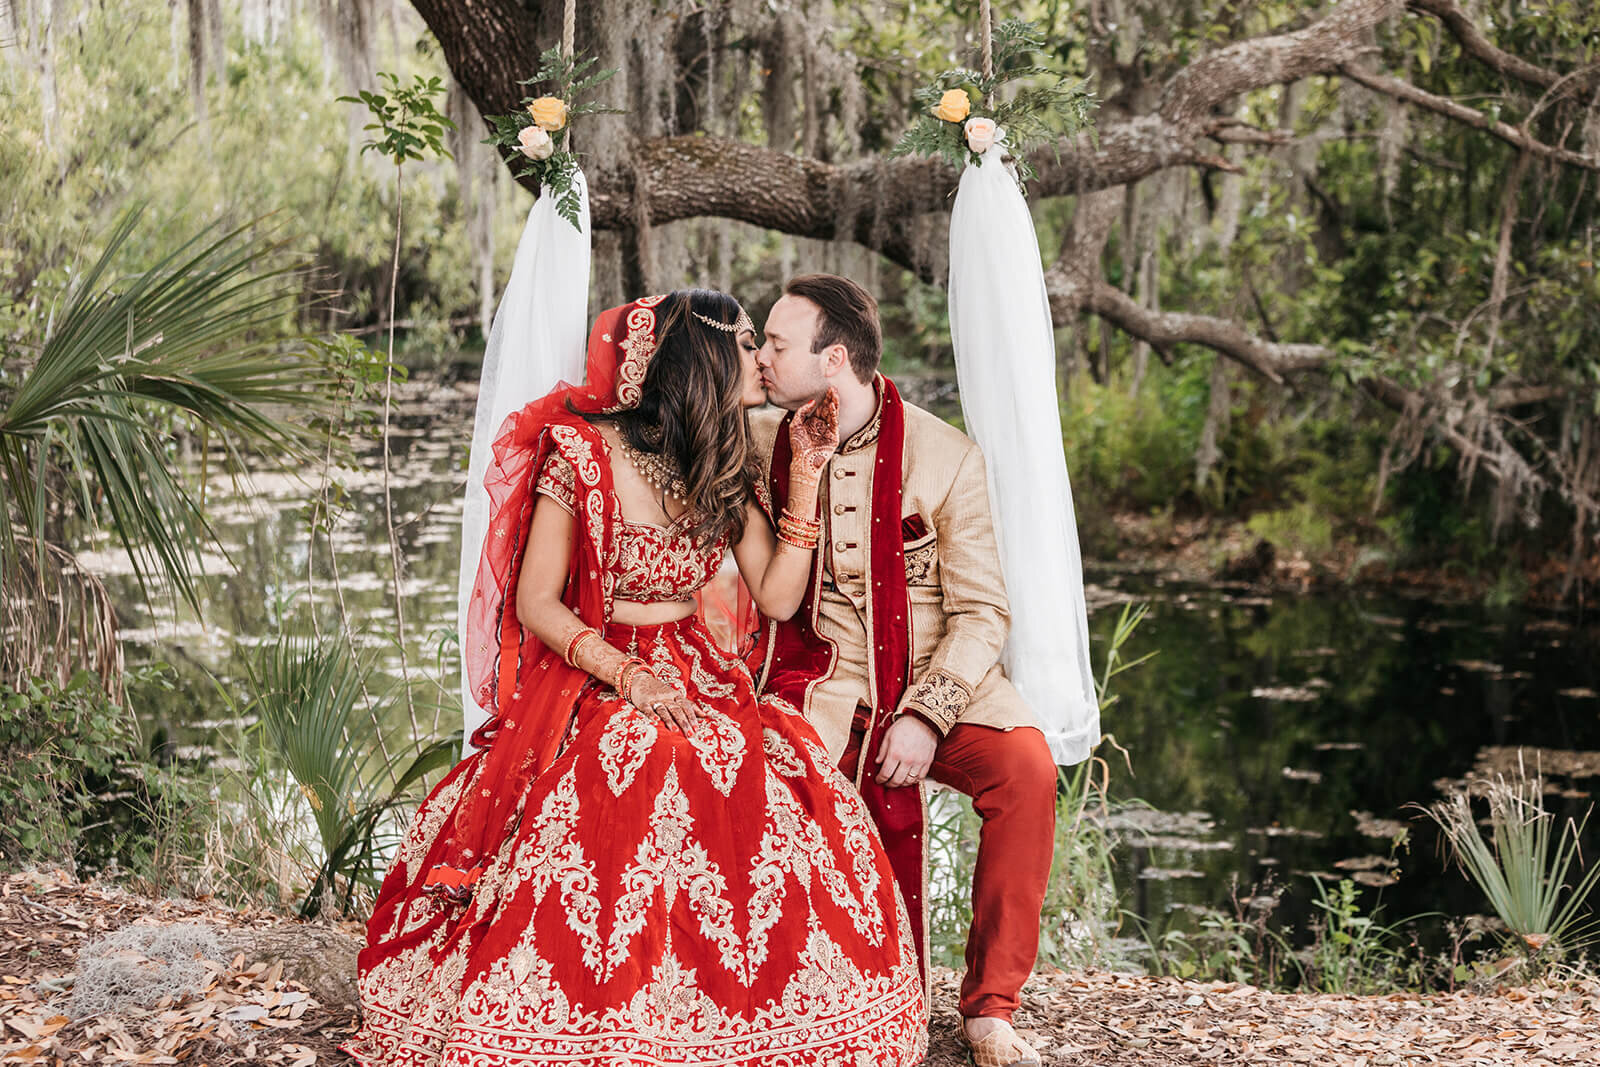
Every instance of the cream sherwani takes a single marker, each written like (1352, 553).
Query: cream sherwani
(956, 588)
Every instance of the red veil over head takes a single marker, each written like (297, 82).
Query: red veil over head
(529, 691)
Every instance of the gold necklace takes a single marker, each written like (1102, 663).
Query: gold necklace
(658, 470)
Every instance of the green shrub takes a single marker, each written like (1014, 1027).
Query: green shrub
(62, 749)
(1298, 527)
(1531, 873)
(76, 787)
(1124, 449)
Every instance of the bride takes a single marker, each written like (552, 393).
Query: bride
(642, 864)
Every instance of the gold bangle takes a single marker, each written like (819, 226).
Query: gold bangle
(798, 532)
(576, 642)
(799, 541)
(626, 675)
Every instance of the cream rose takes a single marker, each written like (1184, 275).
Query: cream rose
(536, 144)
(953, 106)
(980, 133)
(549, 113)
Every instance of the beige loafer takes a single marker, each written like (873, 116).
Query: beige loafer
(999, 1048)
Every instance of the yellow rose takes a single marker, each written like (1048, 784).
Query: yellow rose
(549, 113)
(954, 105)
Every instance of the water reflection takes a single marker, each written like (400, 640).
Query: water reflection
(272, 573)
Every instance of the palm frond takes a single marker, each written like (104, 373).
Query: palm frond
(195, 341)
(305, 692)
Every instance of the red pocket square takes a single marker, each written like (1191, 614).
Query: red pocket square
(912, 527)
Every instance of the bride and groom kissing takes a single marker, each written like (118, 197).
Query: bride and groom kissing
(661, 852)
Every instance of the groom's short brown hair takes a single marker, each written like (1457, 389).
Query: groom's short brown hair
(849, 317)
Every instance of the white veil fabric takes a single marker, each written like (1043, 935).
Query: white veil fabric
(536, 344)
(1006, 371)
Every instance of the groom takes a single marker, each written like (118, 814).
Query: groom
(893, 655)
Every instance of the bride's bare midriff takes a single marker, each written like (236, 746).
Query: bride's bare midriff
(635, 613)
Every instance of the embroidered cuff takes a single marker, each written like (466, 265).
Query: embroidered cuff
(939, 699)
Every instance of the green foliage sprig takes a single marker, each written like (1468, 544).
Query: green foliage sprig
(1050, 107)
(405, 122)
(570, 77)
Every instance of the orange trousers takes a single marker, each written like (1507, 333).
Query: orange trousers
(1011, 778)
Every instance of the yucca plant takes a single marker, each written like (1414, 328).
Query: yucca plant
(305, 692)
(1523, 867)
(89, 416)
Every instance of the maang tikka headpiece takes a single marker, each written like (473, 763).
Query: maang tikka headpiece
(740, 324)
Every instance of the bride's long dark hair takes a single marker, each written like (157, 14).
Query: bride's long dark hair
(691, 411)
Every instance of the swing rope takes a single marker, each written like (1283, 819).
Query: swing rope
(569, 30)
(986, 29)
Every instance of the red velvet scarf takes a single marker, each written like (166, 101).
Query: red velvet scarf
(800, 655)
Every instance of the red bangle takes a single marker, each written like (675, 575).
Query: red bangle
(801, 533)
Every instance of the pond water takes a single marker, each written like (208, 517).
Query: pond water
(1272, 738)
(1281, 738)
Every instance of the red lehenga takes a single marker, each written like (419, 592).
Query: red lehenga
(596, 888)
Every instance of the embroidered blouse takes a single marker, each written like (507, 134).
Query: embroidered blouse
(654, 563)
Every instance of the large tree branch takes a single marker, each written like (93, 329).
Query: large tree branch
(489, 44)
(1211, 81)
(1274, 361)
(1475, 44)
(877, 202)
(1515, 136)
(1074, 285)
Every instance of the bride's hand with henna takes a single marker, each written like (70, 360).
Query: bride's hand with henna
(663, 701)
(813, 436)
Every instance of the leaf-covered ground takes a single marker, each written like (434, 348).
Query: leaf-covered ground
(283, 995)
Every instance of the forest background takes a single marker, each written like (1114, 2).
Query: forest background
(1323, 277)
(1337, 315)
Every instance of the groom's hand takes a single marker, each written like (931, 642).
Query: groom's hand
(907, 752)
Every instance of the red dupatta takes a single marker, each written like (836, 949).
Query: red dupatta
(800, 655)
(528, 689)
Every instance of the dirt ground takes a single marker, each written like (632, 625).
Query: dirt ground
(285, 996)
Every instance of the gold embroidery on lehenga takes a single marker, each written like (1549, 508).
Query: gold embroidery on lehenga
(664, 667)
(720, 745)
(669, 860)
(626, 742)
(552, 855)
(704, 680)
(793, 844)
(781, 755)
(517, 1011)
(430, 819)
(819, 986)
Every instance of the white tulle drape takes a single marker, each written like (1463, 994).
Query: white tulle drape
(535, 344)
(1006, 369)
